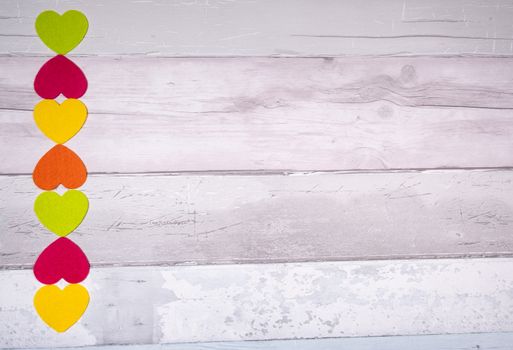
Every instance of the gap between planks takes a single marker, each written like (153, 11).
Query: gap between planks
(279, 172)
(462, 341)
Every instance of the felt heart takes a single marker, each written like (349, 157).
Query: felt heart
(61, 214)
(60, 122)
(61, 259)
(59, 166)
(58, 76)
(61, 309)
(61, 33)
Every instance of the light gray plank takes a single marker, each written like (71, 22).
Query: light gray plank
(285, 27)
(155, 114)
(141, 305)
(480, 341)
(166, 219)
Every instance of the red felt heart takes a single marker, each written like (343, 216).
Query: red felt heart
(59, 165)
(60, 75)
(61, 259)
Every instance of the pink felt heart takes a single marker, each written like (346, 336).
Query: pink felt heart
(60, 75)
(61, 259)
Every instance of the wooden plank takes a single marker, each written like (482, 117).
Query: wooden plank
(140, 305)
(209, 219)
(169, 114)
(268, 27)
(472, 341)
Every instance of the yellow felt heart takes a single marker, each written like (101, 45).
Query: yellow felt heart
(60, 122)
(61, 309)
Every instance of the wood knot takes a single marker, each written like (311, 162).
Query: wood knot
(408, 74)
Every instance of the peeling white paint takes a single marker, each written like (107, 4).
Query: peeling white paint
(146, 305)
(275, 301)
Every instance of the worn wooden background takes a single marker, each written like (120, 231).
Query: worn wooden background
(331, 169)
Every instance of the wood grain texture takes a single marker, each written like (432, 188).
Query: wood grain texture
(262, 28)
(209, 219)
(140, 305)
(470, 341)
(170, 114)
(220, 161)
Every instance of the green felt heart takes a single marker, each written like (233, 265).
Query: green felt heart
(61, 214)
(61, 33)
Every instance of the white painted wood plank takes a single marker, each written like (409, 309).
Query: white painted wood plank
(480, 341)
(155, 114)
(134, 305)
(209, 219)
(268, 27)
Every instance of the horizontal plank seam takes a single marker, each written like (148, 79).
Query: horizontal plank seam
(267, 261)
(406, 36)
(213, 344)
(299, 339)
(282, 172)
(157, 55)
(441, 106)
(341, 36)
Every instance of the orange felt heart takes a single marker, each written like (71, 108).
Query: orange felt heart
(59, 166)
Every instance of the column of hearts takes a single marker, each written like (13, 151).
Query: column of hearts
(60, 166)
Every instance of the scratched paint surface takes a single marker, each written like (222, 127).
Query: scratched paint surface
(173, 219)
(286, 27)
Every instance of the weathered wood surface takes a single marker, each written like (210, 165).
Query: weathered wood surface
(171, 114)
(269, 27)
(165, 219)
(253, 120)
(137, 305)
(470, 341)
